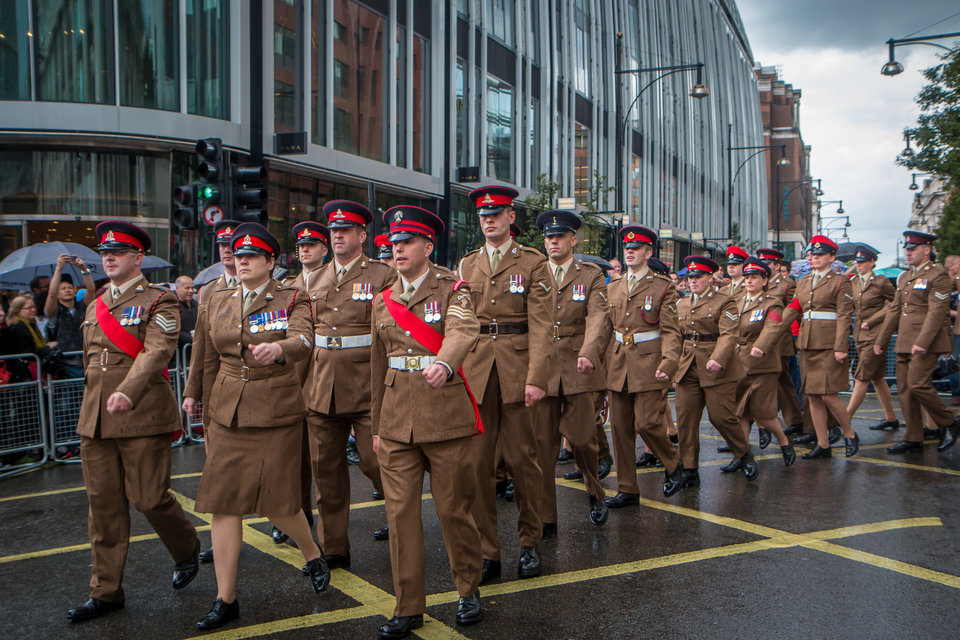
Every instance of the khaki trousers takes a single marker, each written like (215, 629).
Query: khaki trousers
(634, 414)
(916, 392)
(721, 403)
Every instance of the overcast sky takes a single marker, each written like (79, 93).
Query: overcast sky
(850, 115)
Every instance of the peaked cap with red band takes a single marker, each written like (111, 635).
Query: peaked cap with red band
(384, 246)
(491, 200)
(250, 238)
(736, 255)
(224, 230)
(346, 213)
(696, 265)
(755, 266)
(515, 230)
(865, 254)
(409, 221)
(114, 234)
(769, 254)
(820, 245)
(913, 239)
(634, 236)
(310, 232)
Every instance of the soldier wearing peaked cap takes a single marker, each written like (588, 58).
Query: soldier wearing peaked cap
(425, 418)
(735, 259)
(385, 250)
(919, 314)
(509, 368)
(643, 314)
(126, 418)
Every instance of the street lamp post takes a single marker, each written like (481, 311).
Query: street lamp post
(894, 68)
(799, 183)
(913, 180)
(782, 161)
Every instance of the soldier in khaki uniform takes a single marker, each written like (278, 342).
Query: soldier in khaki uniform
(126, 420)
(871, 295)
(643, 314)
(385, 250)
(736, 256)
(508, 368)
(424, 418)
(581, 331)
(919, 314)
(338, 383)
(707, 369)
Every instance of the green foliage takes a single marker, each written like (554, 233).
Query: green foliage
(541, 198)
(598, 191)
(735, 238)
(948, 233)
(937, 134)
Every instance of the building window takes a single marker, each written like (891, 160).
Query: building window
(208, 58)
(421, 104)
(288, 66)
(14, 51)
(500, 14)
(341, 80)
(74, 51)
(461, 157)
(534, 140)
(581, 164)
(318, 71)
(499, 129)
(581, 20)
(149, 54)
(403, 118)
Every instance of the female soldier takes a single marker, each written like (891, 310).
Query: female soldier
(759, 334)
(254, 335)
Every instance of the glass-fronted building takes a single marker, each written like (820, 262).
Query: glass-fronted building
(101, 102)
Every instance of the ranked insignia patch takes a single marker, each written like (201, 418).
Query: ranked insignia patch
(166, 324)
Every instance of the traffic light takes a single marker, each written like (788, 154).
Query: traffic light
(211, 166)
(185, 201)
(250, 194)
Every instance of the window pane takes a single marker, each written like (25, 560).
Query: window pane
(581, 18)
(74, 51)
(421, 104)
(500, 14)
(581, 164)
(15, 51)
(318, 46)
(208, 62)
(403, 119)
(461, 115)
(499, 129)
(149, 54)
(288, 66)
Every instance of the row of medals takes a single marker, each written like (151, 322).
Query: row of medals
(363, 291)
(258, 323)
(131, 315)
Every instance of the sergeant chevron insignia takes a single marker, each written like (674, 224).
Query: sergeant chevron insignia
(166, 324)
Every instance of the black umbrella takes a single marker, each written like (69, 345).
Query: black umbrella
(600, 262)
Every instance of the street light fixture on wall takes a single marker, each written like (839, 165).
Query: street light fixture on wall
(799, 183)
(907, 151)
(894, 68)
(782, 161)
(913, 180)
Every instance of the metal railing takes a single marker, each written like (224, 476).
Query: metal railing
(22, 420)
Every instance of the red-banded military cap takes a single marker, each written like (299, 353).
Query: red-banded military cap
(114, 234)
(250, 238)
(699, 264)
(346, 213)
(820, 245)
(865, 254)
(913, 239)
(310, 232)
(384, 246)
(756, 266)
(409, 221)
(224, 230)
(770, 254)
(736, 255)
(491, 200)
(515, 230)
(634, 236)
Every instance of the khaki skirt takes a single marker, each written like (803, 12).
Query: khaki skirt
(870, 366)
(251, 470)
(821, 373)
(757, 396)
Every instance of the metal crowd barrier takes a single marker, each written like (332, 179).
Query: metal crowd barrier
(22, 420)
(64, 397)
(193, 424)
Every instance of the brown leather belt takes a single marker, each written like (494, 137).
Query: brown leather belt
(701, 337)
(246, 373)
(498, 328)
(568, 330)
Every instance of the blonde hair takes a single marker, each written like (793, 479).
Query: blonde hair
(16, 306)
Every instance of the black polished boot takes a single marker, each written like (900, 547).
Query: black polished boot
(749, 466)
(807, 438)
(573, 474)
(893, 425)
(834, 434)
(793, 429)
(673, 481)
(93, 608)
(789, 455)
(598, 511)
(851, 445)
(468, 610)
(905, 446)
(604, 466)
(319, 573)
(528, 566)
(279, 537)
(765, 438)
(949, 437)
(690, 478)
(220, 614)
(186, 570)
(623, 500)
(818, 452)
(489, 571)
(400, 626)
(730, 467)
(647, 459)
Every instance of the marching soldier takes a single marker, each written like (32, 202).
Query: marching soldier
(708, 369)
(643, 314)
(126, 420)
(581, 331)
(871, 295)
(338, 384)
(824, 307)
(735, 259)
(424, 417)
(919, 314)
(385, 250)
(509, 368)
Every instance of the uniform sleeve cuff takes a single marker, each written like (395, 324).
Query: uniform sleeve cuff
(447, 367)
(126, 397)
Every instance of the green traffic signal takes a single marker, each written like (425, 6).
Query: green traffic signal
(209, 193)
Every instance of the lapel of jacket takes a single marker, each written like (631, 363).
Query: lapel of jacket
(511, 255)
(127, 295)
(425, 290)
(568, 277)
(261, 300)
(704, 298)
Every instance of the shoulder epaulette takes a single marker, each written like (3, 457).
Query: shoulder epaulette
(524, 247)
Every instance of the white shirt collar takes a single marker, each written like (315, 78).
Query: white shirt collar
(347, 267)
(126, 285)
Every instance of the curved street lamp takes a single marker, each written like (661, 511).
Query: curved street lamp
(893, 68)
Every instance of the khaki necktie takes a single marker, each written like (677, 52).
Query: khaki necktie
(631, 283)
(407, 293)
(816, 280)
(115, 292)
(248, 300)
(559, 276)
(340, 273)
(495, 260)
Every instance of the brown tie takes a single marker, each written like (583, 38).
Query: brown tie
(631, 283)
(407, 293)
(248, 301)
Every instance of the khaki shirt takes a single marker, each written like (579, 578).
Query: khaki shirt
(713, 313)
(759, 326)
(920, 311)
(870, 305)
(833, 294)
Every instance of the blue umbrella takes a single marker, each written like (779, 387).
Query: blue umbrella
(153, 263)
(23, 265)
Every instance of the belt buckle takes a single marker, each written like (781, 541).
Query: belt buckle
(628, 339)
(334, 343)
(245, 373)
(412, 363)
(556, 331)
(493, 328)
(103, 358)
(695, 336)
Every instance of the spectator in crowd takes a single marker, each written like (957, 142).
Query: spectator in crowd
(188, 309)
(952, 264)
(617, 267)
(22, 336)
(3, 318)
(65, 316)
(39, 288)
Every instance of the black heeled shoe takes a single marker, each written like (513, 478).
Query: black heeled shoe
(851, 445)
(220, 614)
(818, 452)
(765, 438)
(319, 573)
(789, 455)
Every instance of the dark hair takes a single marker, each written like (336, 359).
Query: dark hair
(35, 283)
(66, 277)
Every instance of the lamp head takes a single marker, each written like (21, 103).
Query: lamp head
(913, 185)
(699, 91)
(784, 162)
(892, 68)
(818, 192)
(840, 211)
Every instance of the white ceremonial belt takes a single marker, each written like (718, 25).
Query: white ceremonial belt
(645, 336)
(342, 342)
(411, 363)
(819, 315)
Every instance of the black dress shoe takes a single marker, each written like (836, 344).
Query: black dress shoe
(206, 555)
(489, 571)
(529, 564)
(502, 487)
(818, 452)
(604, 465)
(220, 614)
(509, 492)
(279, 537)
(807, 438)
(623, 500)
(574, 474)
(93, 608)
(793, 429)
(549, 529)
(834, 434)
(723, 448)
(647, 459)
(886, 424)
(730, 467)
(905, 446)
(673, 481)
(673, 437)
(400, 627)
(931, 434)
(789, 455)
(319, 573)
(598, 511)
(383, 533)
(749, 466)
(377, 495)
(851, 445)
(690, 478)
(186, 570)
(949, 438)
(765, 438)
(338, 561)
(468, 610)
(565, 455)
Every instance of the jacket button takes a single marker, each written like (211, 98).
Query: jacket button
(409, 351)
(406, 333)
(336, 309)
(493, 302)
(493, 282)
(628, 314)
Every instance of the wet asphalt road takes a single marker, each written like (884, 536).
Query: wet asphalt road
(858, 548)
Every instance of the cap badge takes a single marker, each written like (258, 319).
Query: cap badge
(487, 199)
(816, 244)
(108, 237)
(247, 240)
(398, 216)
(305, 233)
(338, 213)
(228, 230)
(631, 235)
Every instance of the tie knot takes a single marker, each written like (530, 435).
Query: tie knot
(115, 292)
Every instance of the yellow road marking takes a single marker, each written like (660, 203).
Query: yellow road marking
(289, 624)
(906, 465)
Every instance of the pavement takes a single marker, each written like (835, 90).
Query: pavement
(863, 547)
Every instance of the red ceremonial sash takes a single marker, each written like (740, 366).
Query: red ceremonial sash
(430, 338)
(119, 336)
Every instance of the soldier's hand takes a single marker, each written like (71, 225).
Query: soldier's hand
(376, 444)
(266, 352)
(532, 394)
(584, 365)
(917, 349)
(865, 325)
(756, 352)
(840, 355)
(877, 349)
(118, 403)
(189, 406)
(436, 375)
(714, 366)
(661, 376)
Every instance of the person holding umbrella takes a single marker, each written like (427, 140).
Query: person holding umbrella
(65, 312)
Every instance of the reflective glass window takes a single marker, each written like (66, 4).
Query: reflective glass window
(14, 50)
(149, 53)
(74, 50)
(500, 14)
(421, 104)
(318, 72)
(288, 65)
(403, 120)
(499, 129)
(208, 58)
(461, 80)
(581, 62)
(581, 164)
